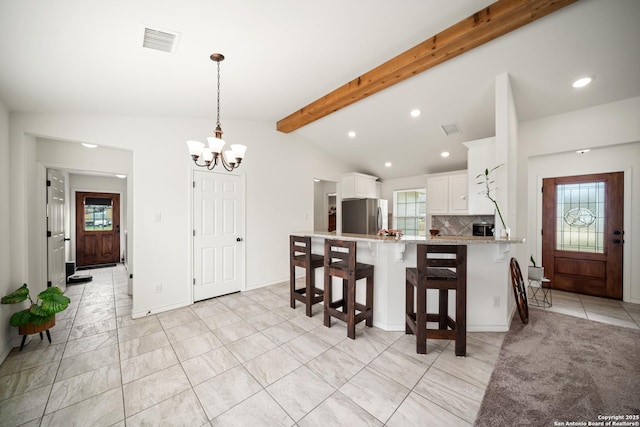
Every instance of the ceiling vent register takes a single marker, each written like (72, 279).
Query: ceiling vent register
(162, 40)
(451, 128)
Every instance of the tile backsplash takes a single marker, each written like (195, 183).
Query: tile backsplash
(459, 225)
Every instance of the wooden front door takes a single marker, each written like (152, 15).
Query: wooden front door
(582, 235)
(97, 228)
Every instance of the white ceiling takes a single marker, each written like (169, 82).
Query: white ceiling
(86, 57)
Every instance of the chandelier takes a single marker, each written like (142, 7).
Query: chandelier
(213, 155)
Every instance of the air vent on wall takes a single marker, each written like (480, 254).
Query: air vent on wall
(163, 40)
(451, 128)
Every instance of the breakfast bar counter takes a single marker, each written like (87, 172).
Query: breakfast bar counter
(490, 301)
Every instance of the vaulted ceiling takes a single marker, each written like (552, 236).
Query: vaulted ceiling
(86, 57)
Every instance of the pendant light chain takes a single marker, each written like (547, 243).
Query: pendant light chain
(218, 122)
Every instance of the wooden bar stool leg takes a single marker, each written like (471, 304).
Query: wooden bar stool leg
(345, 294)
(409, 295)
(443, 312)
(350, 301)
(292, 284)
(369, 321)
(328, 297)
(310, 284)
(421, 320)
(461, 321)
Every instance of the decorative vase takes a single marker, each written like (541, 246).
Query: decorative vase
(535, 273)
(503, 233)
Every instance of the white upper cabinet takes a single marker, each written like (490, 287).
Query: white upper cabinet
(481, 156)
(358, 186)
(447, 194)
(438, 195)
(458, 194)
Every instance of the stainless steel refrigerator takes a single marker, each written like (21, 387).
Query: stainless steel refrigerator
(364, 216)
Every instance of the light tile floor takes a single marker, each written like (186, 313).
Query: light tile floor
(246, 359)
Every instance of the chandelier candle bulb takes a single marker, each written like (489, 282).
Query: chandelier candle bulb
(207, 155)
(230, 157)
(195, 149)
(238, 150)
(215, 144)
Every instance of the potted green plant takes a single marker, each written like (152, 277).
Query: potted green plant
(41, 314)
(487, 181)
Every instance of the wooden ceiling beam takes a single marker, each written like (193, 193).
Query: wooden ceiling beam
(495, 20)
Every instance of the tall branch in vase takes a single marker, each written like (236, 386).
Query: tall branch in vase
(487, 182)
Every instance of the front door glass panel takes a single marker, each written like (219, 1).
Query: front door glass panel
(98, 214)
(580, 217)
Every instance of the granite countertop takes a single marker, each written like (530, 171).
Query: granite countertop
(437, 240)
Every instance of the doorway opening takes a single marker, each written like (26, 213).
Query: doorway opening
(325, 209)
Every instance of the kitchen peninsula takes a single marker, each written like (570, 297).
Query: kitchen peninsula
(490, 301)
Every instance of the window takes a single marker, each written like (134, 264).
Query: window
(410, 208)
(98, 214)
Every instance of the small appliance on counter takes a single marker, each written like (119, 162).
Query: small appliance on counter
(483, 229)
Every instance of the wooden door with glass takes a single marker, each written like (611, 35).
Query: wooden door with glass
(582, 233)
(97, 228)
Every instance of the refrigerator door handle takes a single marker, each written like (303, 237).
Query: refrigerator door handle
(379, 218)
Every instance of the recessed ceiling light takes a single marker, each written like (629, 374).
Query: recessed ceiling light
(415, 113)
(121, 176)
(351, 134)
(388, 164)
(445, 154)
(582, 82)
(586, 150)
(316, 180)
(86, 144)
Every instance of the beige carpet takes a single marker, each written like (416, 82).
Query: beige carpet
(563, 369)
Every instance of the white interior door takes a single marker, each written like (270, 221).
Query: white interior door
(56, 274)
(218, 235)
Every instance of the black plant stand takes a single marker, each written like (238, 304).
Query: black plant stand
(24, 338)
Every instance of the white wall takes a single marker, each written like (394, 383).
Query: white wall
(506, 184)
(279, 173)
(6, 285)
(547, 149)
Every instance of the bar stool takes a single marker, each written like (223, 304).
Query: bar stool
(340, 261)
(300, 256)
(442, 273)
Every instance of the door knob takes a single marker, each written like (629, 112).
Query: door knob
(617, 240)
(616, 232)
(239, 239)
